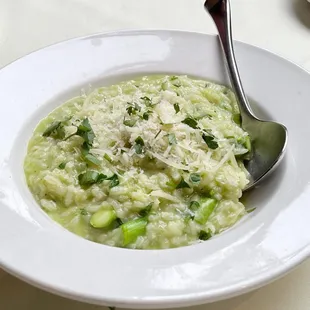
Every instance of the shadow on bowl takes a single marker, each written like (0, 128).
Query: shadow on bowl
(301, 9)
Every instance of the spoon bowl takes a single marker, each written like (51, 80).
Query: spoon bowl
(268, 139)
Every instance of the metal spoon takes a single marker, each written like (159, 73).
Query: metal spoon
(269, 139)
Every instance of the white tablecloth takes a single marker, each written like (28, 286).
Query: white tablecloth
(281, 26)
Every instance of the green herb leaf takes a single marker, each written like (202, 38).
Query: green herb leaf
(101, 178)
(137, 107)
(177, 83)
(190, 122)
(147, 101)
(68, 137)
(210, 141)
(51, 128)
(195, 178)
(87, 136)
(146, 115)
(188, 217)
(89, 157)
(172, 139)
(194, 205)
(129, 122)
(83, 212)
(209, 132)
(85, 131)
(130, 110)
(182, 184)
(85, 148)
(85, 125)
(176, 108)
(250, 210)
(138, 148)
(62, 166)
(139, 145)
(89, 177)
(60, 132)
(146, 211)
(114, 180)
(139, 140)
(133, 109)
(118, 222)
(204, 235)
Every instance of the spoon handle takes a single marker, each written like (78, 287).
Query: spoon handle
(221, 14)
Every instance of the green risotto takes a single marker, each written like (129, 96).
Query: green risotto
(151, 163)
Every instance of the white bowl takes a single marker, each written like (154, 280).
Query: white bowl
(265, 245)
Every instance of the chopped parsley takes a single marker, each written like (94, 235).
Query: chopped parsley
(188, 216)
(62, 166)
(182, 184)
(146, 115)
(139, 145)
(85, 125)
(83, 212)
(177, 83)
(85, 148)
(195, 178)
(204, 235)
(210, 141)
(250, 210)
(86, 132)
(194, 205)
(133, 109)
(190, 122)
(146, 211)
(147, 101)
(172, 139)
(175, 80)
(91, 177)
(68, 137)
(51, 128)
(91, 159)
(118, 222)
(130, 110)
(101, 178)
(129, 122)
(176, 108)
(114, 180)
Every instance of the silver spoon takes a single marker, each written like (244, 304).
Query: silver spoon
(269, 139)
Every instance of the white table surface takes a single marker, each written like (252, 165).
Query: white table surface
(281, 26)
